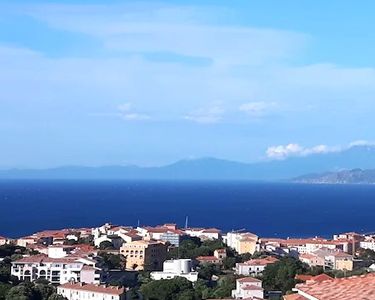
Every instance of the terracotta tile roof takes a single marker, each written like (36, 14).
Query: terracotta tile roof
(206, 258)
(261, 261)
(42, 258)
(355, 287)
(321, 278)
(248, 279)
(111, 290)
(294, 297)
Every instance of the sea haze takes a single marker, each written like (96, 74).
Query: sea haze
(268, 209)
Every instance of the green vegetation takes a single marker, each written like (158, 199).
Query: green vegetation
(280, 276)
(181, 289)
(33, 291)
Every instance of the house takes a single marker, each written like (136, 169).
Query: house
(56, 270)
(254, 267)
(166, 233)
(204, 233)
(80, 291)
(144, 255)
(3, 240)
(242, 242)
(350, 288)
(217, 258)
(176, 268)
(317, 278)
(27, 240)
(248, 287)
(327, 258)
(368, 243)
(208, 260)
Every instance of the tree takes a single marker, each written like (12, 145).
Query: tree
(280, 276)
(106, 245)
(206, 271)
(21, 292)
(166, 289)
(4, 289)
(229, 263)
(55, 296)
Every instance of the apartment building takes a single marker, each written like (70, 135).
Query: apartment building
(81, 291)
(144, 255)
(56, 270)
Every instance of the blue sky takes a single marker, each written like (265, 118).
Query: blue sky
(130, 82)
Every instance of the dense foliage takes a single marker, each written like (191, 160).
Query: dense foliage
(280, 276)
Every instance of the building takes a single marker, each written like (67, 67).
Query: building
(166, 233)
(56, 270)
(242, 242)
(327, 258)
(350, 288)
(204, 233)
(248, 287)
(3, 240)
(144, 255)
(254, 267)
(368, 243)
(176, 268)
(217, 258)
(79, 291)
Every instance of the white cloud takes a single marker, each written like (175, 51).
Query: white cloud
(126, 112)
(257, 109)
(206, 115)
(285, 151)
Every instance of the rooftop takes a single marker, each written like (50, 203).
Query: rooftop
(355, 287)
(112, 290)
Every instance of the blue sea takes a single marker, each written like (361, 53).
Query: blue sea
(268, 209)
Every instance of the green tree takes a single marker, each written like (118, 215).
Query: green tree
(22, 291)
(167, 289)
(55, 296)
(280, 276)
(106, 245)
(206, 271)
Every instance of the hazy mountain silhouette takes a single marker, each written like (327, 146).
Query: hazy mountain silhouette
(362, 157)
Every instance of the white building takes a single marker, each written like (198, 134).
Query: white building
(248, 288)
(56, 270)
(79, 291)
(204, 233)
(176, 268)
(368, 243)
(254, 267)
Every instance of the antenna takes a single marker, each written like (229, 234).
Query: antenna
(138, 223)
(186, 222)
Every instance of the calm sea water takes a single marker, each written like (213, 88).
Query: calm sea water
(267, 209)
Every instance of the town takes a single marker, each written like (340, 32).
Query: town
(168, 262)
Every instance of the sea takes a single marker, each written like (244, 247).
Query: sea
(267, 209)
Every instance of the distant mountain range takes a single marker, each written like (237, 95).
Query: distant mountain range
(356, 157)
(355, 176)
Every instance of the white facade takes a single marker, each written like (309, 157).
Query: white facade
(56, 270)
(176, 268)
(248, 287)
(90, 292)
(368, 243)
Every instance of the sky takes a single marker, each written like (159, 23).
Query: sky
(134, 82)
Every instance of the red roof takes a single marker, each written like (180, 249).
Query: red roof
(248, 279)
(206, 258)
(112, 290)
(355, 287)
